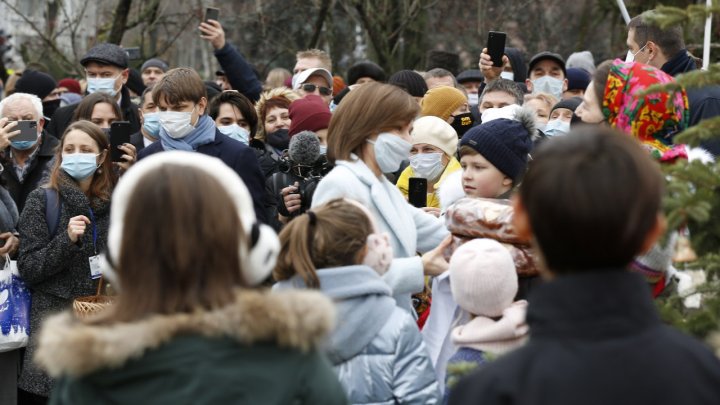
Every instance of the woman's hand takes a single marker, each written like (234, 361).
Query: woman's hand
(12, 243)
(76, 227)
(291, 197)
(432, 211)
(128, 158)
(434, 263)
(6, 132)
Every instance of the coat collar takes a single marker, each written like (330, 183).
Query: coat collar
(291, 319)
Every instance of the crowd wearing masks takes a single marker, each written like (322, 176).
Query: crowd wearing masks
(491, 235)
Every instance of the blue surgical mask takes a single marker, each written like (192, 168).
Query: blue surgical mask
(79, 166)
(151, 124)
(236, 132)
(390, 151)
(102, 85)
(427, 165)
(22, 145)
(556, 127)
(548, 84)
(323, 149)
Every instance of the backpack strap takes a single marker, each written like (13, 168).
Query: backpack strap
(52, 210)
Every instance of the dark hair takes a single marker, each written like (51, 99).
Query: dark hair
(335, 238)
(440, 72)
(104, 178)
(600, 78)
(179, 85)
(243, 104)
(180, 271)
(670, 40)
(506, 86)
(147, 90)
(591, 198)
(85, 109)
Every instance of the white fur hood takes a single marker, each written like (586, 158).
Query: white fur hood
(293, 319)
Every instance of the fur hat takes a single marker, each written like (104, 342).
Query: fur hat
(36, 83)
(310, 113)
(442, 102)
(483, 280)
(504, 142)
(436, 132)
(409, 81)
(258, 258)
(365, 69)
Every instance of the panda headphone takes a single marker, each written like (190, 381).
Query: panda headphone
(258, 251)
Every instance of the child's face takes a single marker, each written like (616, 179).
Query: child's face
(481, 179)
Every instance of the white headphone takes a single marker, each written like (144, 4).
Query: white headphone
(258, 255)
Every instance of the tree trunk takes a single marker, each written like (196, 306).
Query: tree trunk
(119, 22)
(321, 17)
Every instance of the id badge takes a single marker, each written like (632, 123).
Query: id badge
(95, 269)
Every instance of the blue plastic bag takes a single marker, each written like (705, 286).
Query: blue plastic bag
(14, 308)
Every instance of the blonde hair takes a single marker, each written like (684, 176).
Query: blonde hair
(276, 78)
(319, 54)
(270, 99)
(332, 235)
(546, 98)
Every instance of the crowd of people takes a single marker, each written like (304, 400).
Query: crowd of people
(262, 243)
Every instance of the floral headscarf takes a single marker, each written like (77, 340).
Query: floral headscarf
(654, 118)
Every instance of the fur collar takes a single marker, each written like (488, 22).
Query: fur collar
(293, 319)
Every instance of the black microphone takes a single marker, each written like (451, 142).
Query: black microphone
(304, 148)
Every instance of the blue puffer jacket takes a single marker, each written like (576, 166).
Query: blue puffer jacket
(376, 347)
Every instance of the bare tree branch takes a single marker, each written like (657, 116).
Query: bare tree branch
(120, 17)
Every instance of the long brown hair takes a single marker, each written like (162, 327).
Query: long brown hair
(336, 237)
(103, 179)
(85, 109)
(368, 110)
(173, 259)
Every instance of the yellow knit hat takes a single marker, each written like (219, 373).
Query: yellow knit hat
(442, 101)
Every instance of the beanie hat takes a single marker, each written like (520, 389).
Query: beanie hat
(578, 79)
(504, 143)
(436, 132)
(365, 69)
(583, 60)
(570, 103)
(310, 113)
(154, 62)
(449, 61)
(409, 81)
(442, 101)
(36, 83)
(135, 82)
(72, 85)
(483, 280)
(338, 85)
(470, 75)
(106, 54)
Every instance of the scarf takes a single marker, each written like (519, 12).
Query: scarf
(497, 337)
(203, 134)
(653, 118)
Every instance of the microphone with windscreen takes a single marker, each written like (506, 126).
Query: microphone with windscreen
(304, 149)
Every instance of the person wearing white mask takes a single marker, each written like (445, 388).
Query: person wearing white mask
(432, 157)
(546, 74)
(369, 135)
(561, 116)
(181, 98)
(106, 70)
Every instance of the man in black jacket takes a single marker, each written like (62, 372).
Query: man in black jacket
(665, 50)
(106, 66)
(589, 204)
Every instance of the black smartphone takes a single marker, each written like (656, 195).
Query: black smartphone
(212, 13)
(28, 131)
(496, 47)
(417, 191)
(119, 134)
(133, 53)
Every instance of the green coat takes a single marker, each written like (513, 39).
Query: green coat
(245, 354)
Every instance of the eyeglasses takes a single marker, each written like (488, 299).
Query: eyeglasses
(310, 88)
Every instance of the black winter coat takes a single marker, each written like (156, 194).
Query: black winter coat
(596, 338)
(37, 172)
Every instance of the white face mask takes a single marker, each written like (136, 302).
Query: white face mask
(631, 56)
(548, 84)
(556, 127)
(102, 85)
(473, 98)
(427, 165)
(507, 75)
(236, 132)
(176, 123)
(390, 151)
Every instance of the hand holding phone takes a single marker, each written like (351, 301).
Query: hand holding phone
(28, 131)
(417, 191)
(211, 13)
(496, 47)
(119, 134)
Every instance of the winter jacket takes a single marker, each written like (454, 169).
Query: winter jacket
(376, 347)
(596, 338)
(410, 229)
(433, 200)
(37, 173)
(259, 349)
(238, 72)
(55, 269)
(63, 116)
(238, 157)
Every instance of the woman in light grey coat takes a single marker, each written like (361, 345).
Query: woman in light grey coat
(375, 347)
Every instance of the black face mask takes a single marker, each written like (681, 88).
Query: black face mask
(49, 107)
(279, 139)
(462, 123)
